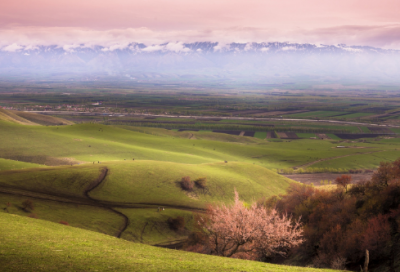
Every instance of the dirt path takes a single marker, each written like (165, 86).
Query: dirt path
(192, 137)
(94, 185)
(41, 196)
(332, 158)
(86, 199)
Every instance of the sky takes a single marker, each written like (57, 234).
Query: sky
(117, 22)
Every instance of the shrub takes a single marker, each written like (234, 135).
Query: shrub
(177, 223)
(201, 182)
(187, 184)
(64, 222)
(33, 215)
(27, 205)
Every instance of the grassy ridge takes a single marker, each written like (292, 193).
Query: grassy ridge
(89, 142)
(8, 116)
(140, 187)
(41, 119)
(80, 216)
(29, 118)
(12, 164)
(151, 182)
(35, 245)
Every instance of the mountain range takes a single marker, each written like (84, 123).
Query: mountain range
(202, 60)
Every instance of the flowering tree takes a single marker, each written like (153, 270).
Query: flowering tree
(255, 230)
(343, 181)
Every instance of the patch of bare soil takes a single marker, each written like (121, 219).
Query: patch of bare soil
(241, 133)
(317, 178)
(282, 135)
(192, 195)
(271, 135)
(42, 159)
(323, 136)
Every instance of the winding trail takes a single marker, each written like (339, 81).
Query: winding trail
(94, 185)
(87, 200)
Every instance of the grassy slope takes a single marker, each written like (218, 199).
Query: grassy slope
(12, 164)
(35, 245)
(80, 216)
(110, 143)
(9, 116)
(151, 182)
(42, 119)
(64, 181)
(161, 158)
(151, 227)
(143, 185)
(157, 182)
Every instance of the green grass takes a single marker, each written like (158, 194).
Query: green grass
(11, 165)
(356, 115)
(36, 245)
(333, 136)
(150, 182)
(150, 226)
(362, 161)
(365, 130)
(143, 186)
(80, 216)
(64, 181)
(306, 135)
(314, 114)
(260, 135)
(91, 142)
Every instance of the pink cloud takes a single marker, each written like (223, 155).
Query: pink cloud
(118, 22)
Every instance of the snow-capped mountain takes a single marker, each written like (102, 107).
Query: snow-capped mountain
(205, 59)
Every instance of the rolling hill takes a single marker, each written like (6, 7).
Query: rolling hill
(28, 118)
(35, 245)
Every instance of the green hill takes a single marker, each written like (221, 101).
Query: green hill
(136, 189)
(41, 119)
(9, 116)
(34, 245)
(28, 118)
(54, 166)
(92, 142)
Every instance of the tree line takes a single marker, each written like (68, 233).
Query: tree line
(341, 228)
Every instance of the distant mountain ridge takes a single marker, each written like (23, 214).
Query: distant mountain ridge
(206, 60)
(196, 47)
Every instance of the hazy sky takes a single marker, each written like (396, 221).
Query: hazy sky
(354, 22)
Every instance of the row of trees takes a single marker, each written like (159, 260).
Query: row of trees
(341, 224)
(226, 126)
